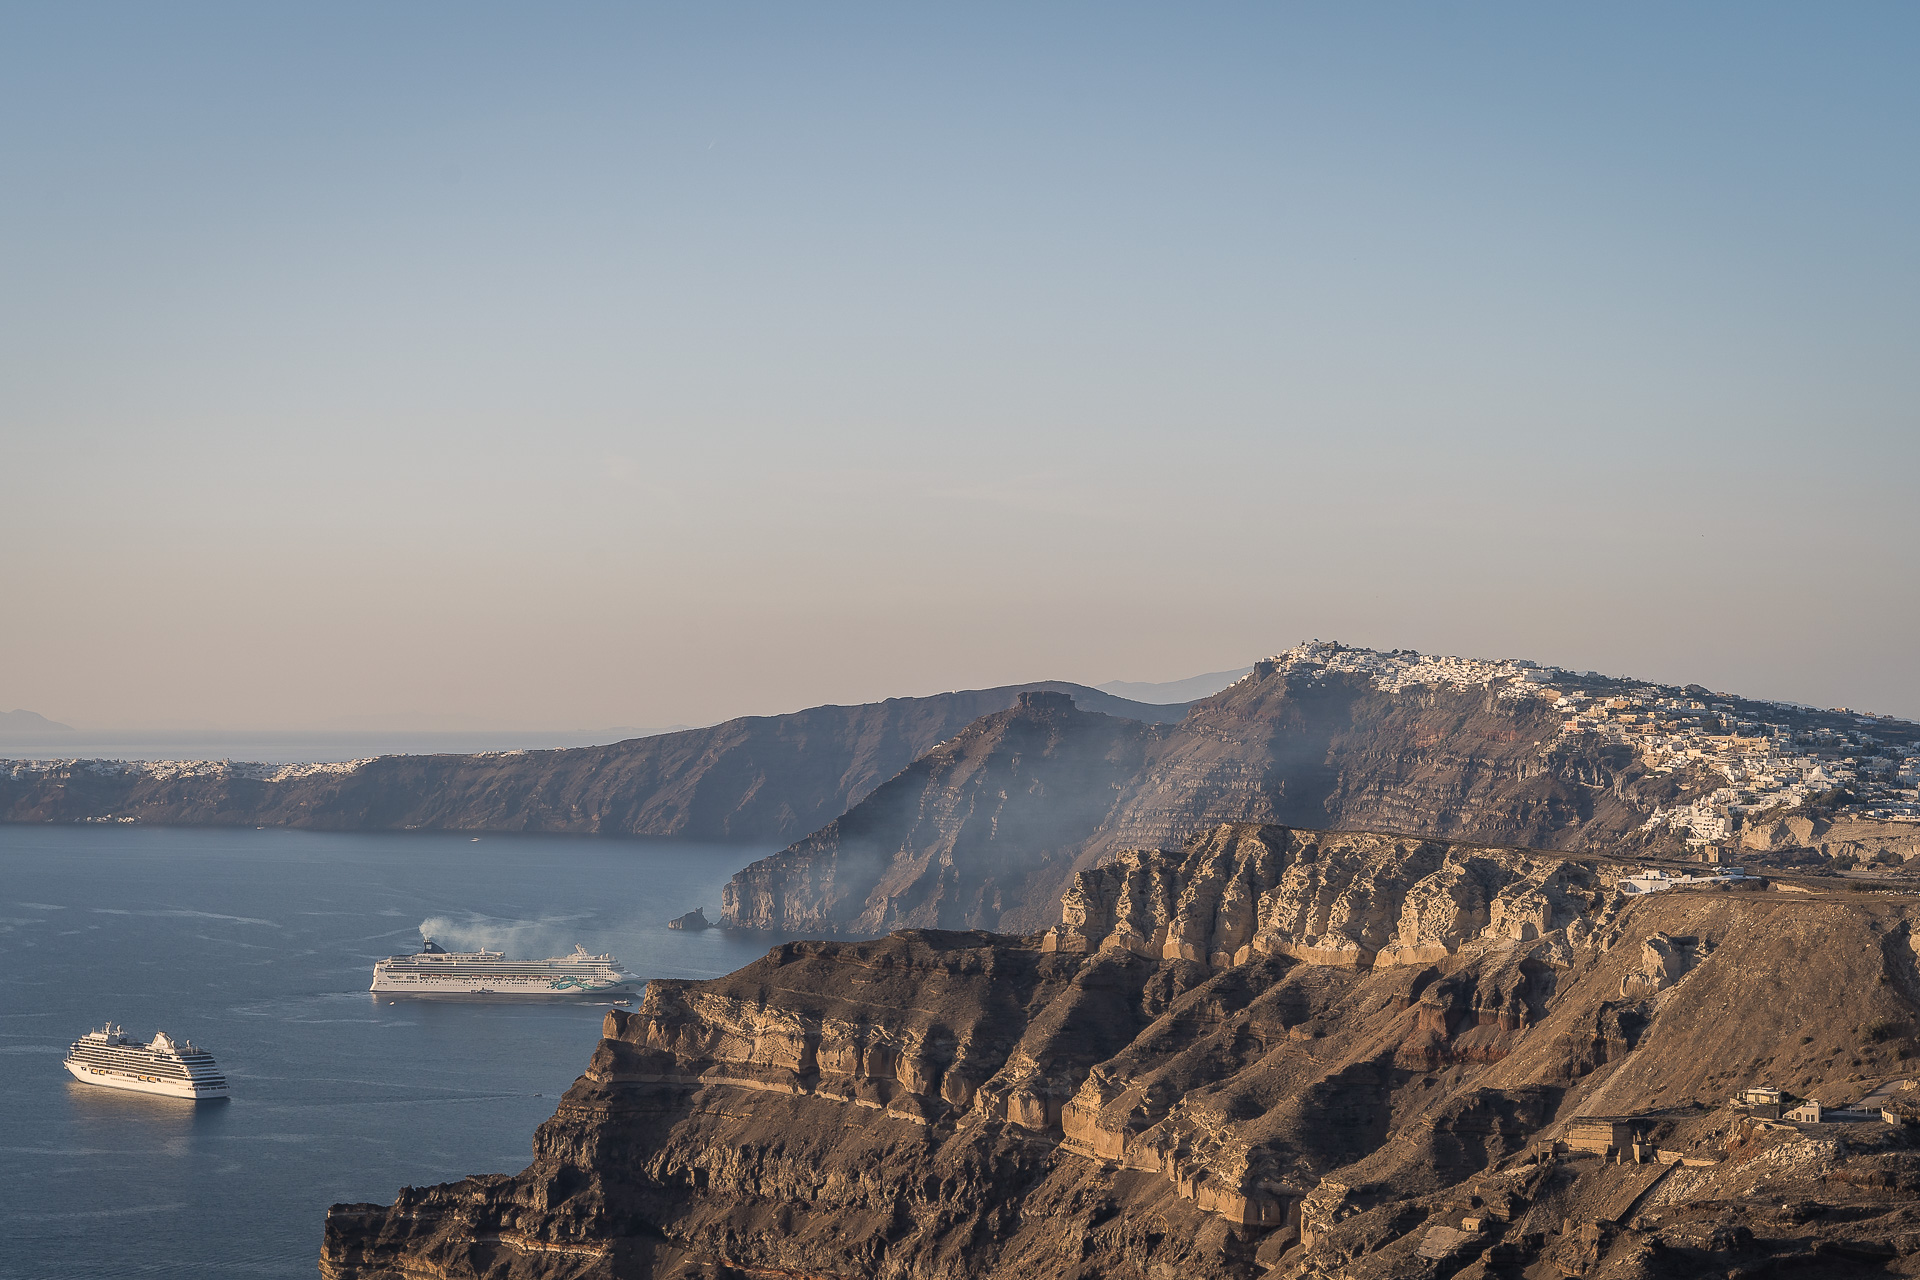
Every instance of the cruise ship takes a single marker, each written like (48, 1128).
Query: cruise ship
(164, 1065)
(435, 971)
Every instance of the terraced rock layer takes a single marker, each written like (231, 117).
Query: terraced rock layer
(1102, 1103)
(1348, 899)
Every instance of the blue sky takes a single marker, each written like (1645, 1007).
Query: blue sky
(633, 364)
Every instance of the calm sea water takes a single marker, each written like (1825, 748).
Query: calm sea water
(258, 946)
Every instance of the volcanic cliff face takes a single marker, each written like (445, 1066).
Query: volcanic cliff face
(753, 779)
(1295, 745)
(969, 832)
(1352, 900)
(1275, 1053)
(1289, 744)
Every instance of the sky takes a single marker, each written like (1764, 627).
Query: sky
(552, 367)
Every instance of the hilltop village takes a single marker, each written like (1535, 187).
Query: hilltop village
(1777, 763)
(1683, 771)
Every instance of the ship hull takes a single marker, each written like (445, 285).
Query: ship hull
(480, 991)
(181, 1089)
(434, 973)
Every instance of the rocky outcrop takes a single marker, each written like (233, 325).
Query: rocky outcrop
(1783, 833)
(1289, 745)
(1664, 961)
(949, 1104)
(1861, 840)
(1352, 899)
(760, 778)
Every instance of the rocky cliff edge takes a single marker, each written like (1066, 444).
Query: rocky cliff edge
(1276, 1052)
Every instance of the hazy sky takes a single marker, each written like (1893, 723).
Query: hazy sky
(565, 366)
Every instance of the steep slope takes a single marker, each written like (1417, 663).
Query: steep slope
(752, 779)
(1290, 744)
(971, 829)
(1326, 736)
(1294, 744)
(1423, 1056)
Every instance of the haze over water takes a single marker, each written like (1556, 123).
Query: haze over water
(267, 747)
(258, 946)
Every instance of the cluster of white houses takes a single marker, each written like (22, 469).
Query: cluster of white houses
(1767, 765)
(1776, 763)
(1399, 669)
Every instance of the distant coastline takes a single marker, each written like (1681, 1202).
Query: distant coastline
(317, 746)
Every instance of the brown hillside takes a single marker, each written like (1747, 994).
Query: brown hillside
(760, 778)
(1397, 1069)
(1286, 746)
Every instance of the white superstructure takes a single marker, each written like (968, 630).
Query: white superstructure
(173, 1068)
(435, 971)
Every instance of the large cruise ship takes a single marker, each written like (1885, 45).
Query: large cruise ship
(164, 1065)
(435, 971)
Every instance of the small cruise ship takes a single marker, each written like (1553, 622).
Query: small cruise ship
(435, 971)
(173, 1068)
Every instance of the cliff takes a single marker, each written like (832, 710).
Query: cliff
(964, 839)
(1004, 803)
(1273, 1053)
(754, 779)
(966, 834)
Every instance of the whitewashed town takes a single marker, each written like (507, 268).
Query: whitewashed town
(1774, 758)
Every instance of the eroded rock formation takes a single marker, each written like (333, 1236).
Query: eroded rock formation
(1277, 1052)
(974, 830)
(1351, 899)
(993, 826)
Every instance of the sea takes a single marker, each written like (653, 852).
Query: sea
(258, 945)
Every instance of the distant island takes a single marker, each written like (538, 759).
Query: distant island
(975, 809)
(1192, 689)
(757, 779)
(30, 722)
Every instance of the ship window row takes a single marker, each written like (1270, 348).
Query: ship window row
(195, 1070)
(122, 1069)
(480, 977)
(142, 1059)
(529, 977)
(154, 1068)
(498, 968)
(137, 1053)
(150, 1073)
(435, 962)
(137, 1050)
(143, 1055)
